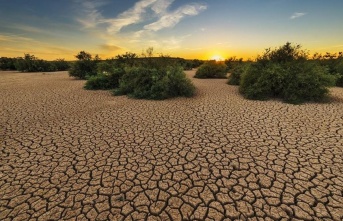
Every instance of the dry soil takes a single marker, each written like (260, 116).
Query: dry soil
(71, 154)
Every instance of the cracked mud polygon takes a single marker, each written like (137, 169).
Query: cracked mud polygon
(71, 154)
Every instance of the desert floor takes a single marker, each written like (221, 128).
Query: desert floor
(71, 154)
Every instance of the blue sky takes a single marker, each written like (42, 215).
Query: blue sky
(184, 28)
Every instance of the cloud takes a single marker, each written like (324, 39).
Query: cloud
(297, 15)
(90, 9)
(138, 14)
(110, 47)
(15, 38)
(161, 6)
(173, 18)
(131, 16)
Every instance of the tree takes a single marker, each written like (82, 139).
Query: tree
(85, 66)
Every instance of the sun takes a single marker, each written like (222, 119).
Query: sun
(217, 58)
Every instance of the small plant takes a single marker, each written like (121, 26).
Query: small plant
(212, 69)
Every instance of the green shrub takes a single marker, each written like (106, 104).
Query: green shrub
(98, 82)
(339, 72)
(61, 65)
(285, 73)
(152, 83)
(85, 66)
(261, 82)
(212, 69)
(105, 81)
(30, 63)
(237, 72)
(7, 63)
(306, 82)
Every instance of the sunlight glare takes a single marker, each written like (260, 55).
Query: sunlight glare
(217, 58)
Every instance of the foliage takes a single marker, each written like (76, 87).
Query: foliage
(237, 72)
(285, 73)
(211, 69)
(233, 62)
(334, 64)
(155, 83)
(105, 81)
(97, 82)
(85, 66)
(339, 72)
(127, 59)
(30, 63)
(7, 64)
(61, 65)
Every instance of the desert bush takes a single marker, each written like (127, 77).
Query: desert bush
(7, 63)
(232, 63)
(334, 64)
(152, 83)
(339, 72)
(237, 72)
(285, 73)
(61, 65)
(85, 66)
(211, 69)
(30, 63)
(105, 81)
(97, 82)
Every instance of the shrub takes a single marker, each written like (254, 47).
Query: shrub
(339, 72)
(233, 62)
(152, 83)
(261, 82)
(333, 63)
(97, 82)
(237, 72)
(30, 63)
(211, 69)
(306, 82)
(105, 81)
(61, 65)
(85, 66)
(7, 63)
(285, 73)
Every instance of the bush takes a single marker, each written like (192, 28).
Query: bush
(236, 73)
(285, 73)
(97, 82)
(61, 65)
(211, 69)
(30, 63)
(339, 72)
(85, 66)
(105, 81)
(7, 64)
(152, 83)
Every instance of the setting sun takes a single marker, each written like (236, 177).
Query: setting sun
(217, 58)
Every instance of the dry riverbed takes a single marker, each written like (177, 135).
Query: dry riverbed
(67, 154)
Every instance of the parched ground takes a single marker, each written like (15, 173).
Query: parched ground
(71, 154)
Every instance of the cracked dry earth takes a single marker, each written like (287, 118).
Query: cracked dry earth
(71, 154)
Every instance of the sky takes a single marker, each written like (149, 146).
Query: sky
(192, 29)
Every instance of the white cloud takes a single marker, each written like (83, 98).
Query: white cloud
(131, 16)
(90, 9)
(161, 6)
(137, 14)
(172, 18)
(297, 15)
